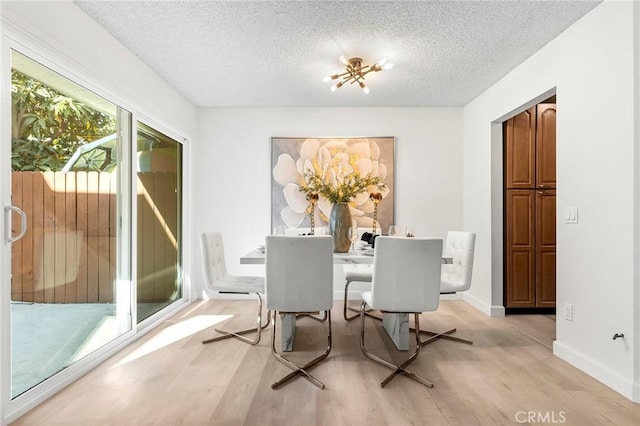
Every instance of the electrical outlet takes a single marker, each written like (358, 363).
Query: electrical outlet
(568, 311)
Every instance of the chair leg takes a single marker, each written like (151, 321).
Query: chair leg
(444, 335)
(299, 370)
(346, 308)
(239, 334)
(397, 369)
(323, 318)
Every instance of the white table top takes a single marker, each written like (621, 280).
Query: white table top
(256, 257)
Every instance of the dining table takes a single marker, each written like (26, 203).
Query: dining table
(395, 324)
(359, 257)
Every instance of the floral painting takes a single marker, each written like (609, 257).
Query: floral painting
(296, 163)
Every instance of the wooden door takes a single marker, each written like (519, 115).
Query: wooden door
(520, 150)
(545, 146)
(530, 181)
(520, 270)
(545, 248)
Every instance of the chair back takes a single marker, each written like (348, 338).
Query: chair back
(299, 273)
(406, 274)
(457, 275)
(213, 262)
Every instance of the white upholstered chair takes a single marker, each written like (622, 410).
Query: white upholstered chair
(356, 273)
(299, 280)
(406, 279)
(217, 279)
(300, 232)
(456, 276)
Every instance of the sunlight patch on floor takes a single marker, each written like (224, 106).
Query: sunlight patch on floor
(173, 334)
(103, 333)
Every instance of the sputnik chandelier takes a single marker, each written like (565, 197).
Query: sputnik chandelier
(355, 72)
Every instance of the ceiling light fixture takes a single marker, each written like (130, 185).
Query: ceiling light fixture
(355, 72)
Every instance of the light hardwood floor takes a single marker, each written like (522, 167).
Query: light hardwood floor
(170, 378)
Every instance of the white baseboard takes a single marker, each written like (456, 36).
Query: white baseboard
(623, 385)
(338, 294)
(355, 295)
(492, 311)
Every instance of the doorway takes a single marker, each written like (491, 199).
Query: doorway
(529, 200)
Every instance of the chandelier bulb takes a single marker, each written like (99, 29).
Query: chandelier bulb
(387, 66)
(325, 79)
(334, 88)
(382, 61)
(343, 60)
(365, 90)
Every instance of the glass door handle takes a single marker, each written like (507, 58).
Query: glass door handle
(23, 223)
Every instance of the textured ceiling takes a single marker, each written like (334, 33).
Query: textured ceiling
(275, 53)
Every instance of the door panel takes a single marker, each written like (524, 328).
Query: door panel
(546, 248)
(520, 150)
(520, 274)
(65, 303)
(159, 216)
(546, 146)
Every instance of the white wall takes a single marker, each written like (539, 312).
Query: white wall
(592, 66)
(232, 177)
(61, 36)
(63, 33)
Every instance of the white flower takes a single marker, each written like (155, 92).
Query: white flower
(332, 160)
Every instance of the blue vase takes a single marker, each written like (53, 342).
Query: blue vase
(339, 224)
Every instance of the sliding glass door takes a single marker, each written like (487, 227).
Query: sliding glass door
(88, 254)
(159, 233)
(70, 179)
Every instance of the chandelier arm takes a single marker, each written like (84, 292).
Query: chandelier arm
(368, 71)
(337, 76)
(360, 77)
(355, 72)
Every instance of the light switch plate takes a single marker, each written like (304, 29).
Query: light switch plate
(570, 215)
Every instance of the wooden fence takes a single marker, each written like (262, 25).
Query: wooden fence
(68, 254)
